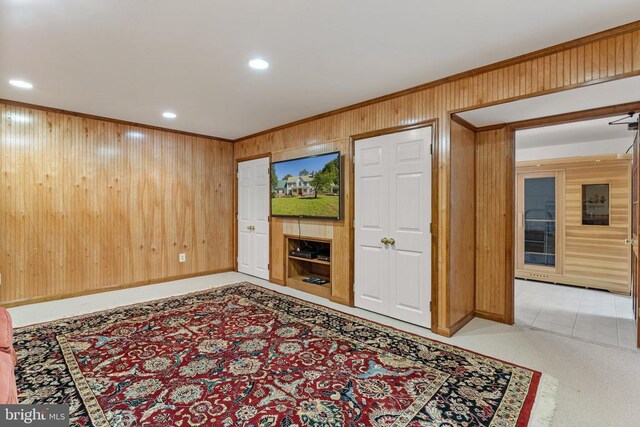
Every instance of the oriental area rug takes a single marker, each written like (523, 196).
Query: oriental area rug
(242, 355)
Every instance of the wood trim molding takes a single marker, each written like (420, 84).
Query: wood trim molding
(433, 123)
(558, 119)
(577, 116)
(462, 122)
(630, 27)
(235, 210)
(395, 129)
(114, 288)
(492, 127)
(108, 119)
(343, 301)
(460, 323)
(542, 92)
(491, 316)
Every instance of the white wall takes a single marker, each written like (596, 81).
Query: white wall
(593, 148)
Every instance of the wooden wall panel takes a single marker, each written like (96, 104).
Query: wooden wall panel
(463, 227)
(90, 204)
(495, 179)
(495, 182)
(568, 67)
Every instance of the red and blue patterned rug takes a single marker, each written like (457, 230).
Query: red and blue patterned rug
(242, 355)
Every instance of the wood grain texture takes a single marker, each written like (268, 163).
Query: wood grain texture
(462, 237)
(495, 200)
(588, 255)
(89, 205)
(109, 119)
(511, 80)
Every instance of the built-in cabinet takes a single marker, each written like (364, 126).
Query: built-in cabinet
(300, 269)
(573, 218)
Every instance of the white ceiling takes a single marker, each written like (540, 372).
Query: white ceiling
(132, 60)
(606, 94)
(572, 133)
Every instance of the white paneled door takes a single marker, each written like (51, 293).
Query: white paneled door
(392, 225)
(253, 217)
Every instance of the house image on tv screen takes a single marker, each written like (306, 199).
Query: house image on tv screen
(296, 186)
(309, 186)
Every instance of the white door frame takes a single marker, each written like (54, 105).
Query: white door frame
(434, 151)
(236, 242)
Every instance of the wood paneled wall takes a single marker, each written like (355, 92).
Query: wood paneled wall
(461, 288)
(615, 54)
(495, 210)
(88, 205)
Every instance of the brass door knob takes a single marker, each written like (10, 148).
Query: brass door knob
(391, 241)
(384, 241)
(249, 227)
(632, 242)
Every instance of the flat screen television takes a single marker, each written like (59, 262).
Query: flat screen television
(307, 187)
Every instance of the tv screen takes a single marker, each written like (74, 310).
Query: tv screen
(308, 187)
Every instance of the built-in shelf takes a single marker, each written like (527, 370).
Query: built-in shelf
(299, 268)
(314, 261)
(298, 283)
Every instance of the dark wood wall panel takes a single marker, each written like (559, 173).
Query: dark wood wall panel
(90, 204)
(495, 193)
(596, 58)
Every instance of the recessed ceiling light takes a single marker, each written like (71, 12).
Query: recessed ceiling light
(169, 115)
(21, 84)
(258, 64)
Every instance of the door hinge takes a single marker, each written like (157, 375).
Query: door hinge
(430, 305)
(354, 159)
(431, 228)
(430, 148)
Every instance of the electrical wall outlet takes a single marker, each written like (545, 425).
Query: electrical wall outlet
(182, 257)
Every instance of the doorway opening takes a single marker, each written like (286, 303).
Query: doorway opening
(556, 188)
(573, 224)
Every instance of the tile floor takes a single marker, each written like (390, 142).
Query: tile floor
(586, 314)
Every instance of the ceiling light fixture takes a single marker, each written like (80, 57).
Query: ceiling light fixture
(21, 84)
(258, 64)
(169, 115)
